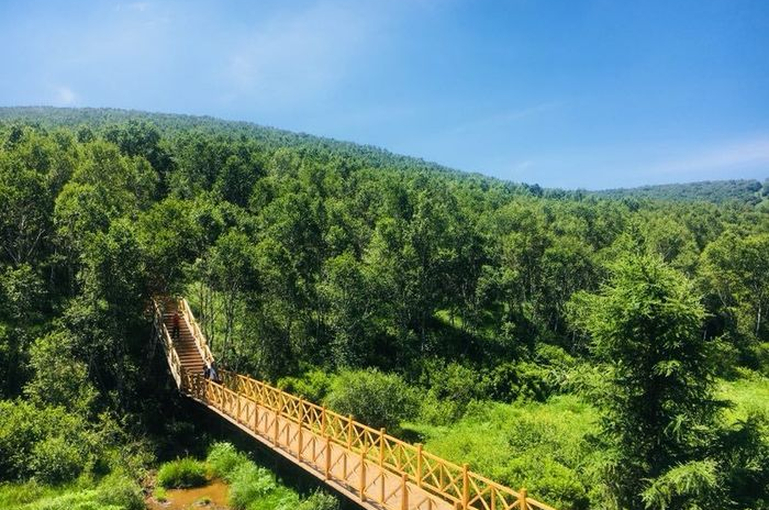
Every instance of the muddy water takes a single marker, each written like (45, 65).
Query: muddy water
(186, 499)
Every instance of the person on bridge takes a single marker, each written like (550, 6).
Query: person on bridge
(175, 329)
(213, 375)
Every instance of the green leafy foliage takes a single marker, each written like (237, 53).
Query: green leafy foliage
(223, 460)
(645, 326)
(374, 398)
(115, 492)
(545, 447)
(182, 473)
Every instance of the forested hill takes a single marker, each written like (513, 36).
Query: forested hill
(748, 191)
(268, 138)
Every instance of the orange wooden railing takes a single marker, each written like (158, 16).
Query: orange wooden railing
(197, 333)
(164, 337)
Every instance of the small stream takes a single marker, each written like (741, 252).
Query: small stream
(212, 497)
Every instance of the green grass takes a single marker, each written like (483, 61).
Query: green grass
(223, 460)
(749, 394)
(160, 494)
(544, 447)
(115, 492)
(252, 487)
(182, 473)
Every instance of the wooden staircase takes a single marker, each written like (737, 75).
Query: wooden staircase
(185, 345)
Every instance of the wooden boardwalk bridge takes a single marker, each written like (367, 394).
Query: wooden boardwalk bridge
(378, 471)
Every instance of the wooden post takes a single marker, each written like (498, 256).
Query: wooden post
(465, 487)
(323, 421)
(382, 479)
(240, 410)
(349, 431)
(404, 492)
(381, 446)
(419, 465)
(522, 500)
(328, 458)
(299, 433)
(363, 474)
(256, 417)
(275, 430)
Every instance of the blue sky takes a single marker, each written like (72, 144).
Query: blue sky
(567, 93)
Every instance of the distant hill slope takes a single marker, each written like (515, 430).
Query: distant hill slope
(744, 191)
(49, 116)
(740, 190)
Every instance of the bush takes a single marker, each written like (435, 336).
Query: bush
(182, 473)
(121, 491)
(313, 385)
(48, 442)
(319, 500)
(115, 492)
(374, 398)
(451, 388)
(160, 494)
(55, 460)
(546, 448)
(224, 459)
(248, 484)
(523, 380)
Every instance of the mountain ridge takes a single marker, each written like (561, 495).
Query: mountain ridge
(749, 191)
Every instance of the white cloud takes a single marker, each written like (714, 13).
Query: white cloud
(65, 96)
(299, 56)
(734, 154)
(133, 6)
(506, 117)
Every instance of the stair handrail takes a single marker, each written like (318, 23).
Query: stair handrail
(174, 362)
(200, 339)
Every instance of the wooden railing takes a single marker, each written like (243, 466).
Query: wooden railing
(200, 339)
(164, 337)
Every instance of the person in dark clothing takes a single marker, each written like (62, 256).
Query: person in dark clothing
(175, 329)
(213, 374)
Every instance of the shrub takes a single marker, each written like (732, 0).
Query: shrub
(182, 473)
(280, 498)
(48, 442)
(160, 494)
(12, 495)
(451, 388)
(248, 484)
(374, 398)
(55, 460)
(319, 500)
(224, 459)
(519, 381)
(313, 385)
(545, 447)
(120, 490)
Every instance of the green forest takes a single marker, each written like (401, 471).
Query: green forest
(604, 350)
